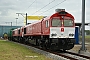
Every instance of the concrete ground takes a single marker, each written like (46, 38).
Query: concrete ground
(77, 47)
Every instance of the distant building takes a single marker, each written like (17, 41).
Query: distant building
(5, 29)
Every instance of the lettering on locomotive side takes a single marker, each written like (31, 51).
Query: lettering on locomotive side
(29, 29)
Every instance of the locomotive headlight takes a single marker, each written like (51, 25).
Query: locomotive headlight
(71, 34)
(53, 34)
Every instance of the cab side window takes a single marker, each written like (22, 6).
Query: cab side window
(24, 30)
(13, 32)
(19, 31)
(47, 23)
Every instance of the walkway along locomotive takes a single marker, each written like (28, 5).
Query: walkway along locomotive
(55, 32)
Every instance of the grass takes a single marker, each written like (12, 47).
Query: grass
(87, 38)
(13, 51)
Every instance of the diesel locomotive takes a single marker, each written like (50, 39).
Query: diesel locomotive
(55, 32)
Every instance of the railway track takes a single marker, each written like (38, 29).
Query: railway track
(68, 55)
(73, 56)
(58, 55)
(83, 56)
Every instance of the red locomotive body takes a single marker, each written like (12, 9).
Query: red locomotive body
(53, 32)
(16, 33)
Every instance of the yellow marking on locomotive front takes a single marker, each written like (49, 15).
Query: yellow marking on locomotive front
(62, 23)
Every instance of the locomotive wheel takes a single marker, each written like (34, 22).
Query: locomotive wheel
(25, 41)
(19, 40)
(22, 40)
(42, 45)
(69, 46)
(53, 47)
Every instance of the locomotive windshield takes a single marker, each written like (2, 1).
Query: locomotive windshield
(56, 22)
(68, 23)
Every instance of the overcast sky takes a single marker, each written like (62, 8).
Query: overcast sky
(9, 8)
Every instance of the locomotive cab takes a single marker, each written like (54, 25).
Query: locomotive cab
(62, 30)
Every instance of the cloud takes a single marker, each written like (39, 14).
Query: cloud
(9, 8)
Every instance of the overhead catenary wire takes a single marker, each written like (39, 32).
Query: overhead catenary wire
(43, 7)
(31, 4)
(26, 9)
(52, 7)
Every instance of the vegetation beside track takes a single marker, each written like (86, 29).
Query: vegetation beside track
(87, 38)
(13, 51)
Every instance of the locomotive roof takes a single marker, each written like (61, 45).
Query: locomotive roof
(53, 15)
(33, 23)
(14, 29)
(64, 13)
(56, 14)
(46, 18)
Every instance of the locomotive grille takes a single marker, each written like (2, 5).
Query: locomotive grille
(63, 12)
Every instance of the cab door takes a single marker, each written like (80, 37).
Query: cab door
(45, 27)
